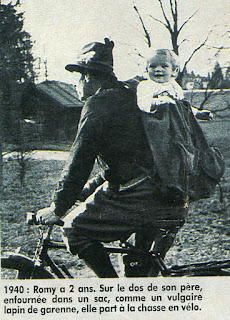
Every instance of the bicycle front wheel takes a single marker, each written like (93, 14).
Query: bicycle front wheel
(26, 269)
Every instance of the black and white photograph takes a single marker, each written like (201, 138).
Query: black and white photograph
(115, 159)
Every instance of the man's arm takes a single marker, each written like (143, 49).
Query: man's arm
(91, 186)
(80, 164)
(202, 114)
(82, 156)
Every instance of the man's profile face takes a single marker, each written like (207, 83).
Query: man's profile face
(88, 85)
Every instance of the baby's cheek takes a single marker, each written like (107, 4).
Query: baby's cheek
(151, 75)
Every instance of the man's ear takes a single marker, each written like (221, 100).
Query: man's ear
(175, 72)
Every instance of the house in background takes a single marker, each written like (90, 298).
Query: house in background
(54, 107)
(191, 81)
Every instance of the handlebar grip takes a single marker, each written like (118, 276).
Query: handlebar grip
(59, 223)
(31, 220)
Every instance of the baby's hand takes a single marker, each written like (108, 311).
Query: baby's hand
(162, 100)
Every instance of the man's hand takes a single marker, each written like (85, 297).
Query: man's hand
(202, 114)
(47, 216)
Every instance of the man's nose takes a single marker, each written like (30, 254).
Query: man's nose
(80, 90)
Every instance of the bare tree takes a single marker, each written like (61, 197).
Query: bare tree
(173, 28)
(171, 22)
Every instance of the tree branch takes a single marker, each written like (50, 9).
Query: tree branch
(208, 94)
(175, 17)
(184, 40)
(184, 23)
(206, 98)
(157, 20)
(194, 51)
(171, 7)
(147, 36)
(221, 110)
(219, 48)
(218, 111)
(165, 16)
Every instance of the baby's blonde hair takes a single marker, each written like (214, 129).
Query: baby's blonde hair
(173, 58)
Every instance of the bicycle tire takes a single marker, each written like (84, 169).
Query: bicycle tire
(25, 267)
(209, 268)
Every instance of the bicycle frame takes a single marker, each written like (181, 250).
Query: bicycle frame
(203, 268)
(36, 268)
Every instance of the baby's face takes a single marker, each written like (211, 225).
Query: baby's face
(160, 69)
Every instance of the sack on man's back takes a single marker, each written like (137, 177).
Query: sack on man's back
(206, 174)
(187, 167)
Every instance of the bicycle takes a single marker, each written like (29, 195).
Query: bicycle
(42, 266)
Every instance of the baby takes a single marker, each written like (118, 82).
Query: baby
(161, 86)
(170, 125)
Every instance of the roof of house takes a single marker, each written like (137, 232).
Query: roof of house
(63, 93)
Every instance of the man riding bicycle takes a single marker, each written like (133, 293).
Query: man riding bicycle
(126, 197)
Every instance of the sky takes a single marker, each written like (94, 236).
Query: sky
(60, 29)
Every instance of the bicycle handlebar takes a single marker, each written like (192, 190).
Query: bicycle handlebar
(31, 220)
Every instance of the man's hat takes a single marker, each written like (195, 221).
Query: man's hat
(95, 56)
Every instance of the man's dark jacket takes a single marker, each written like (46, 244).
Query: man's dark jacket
(110, 128)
